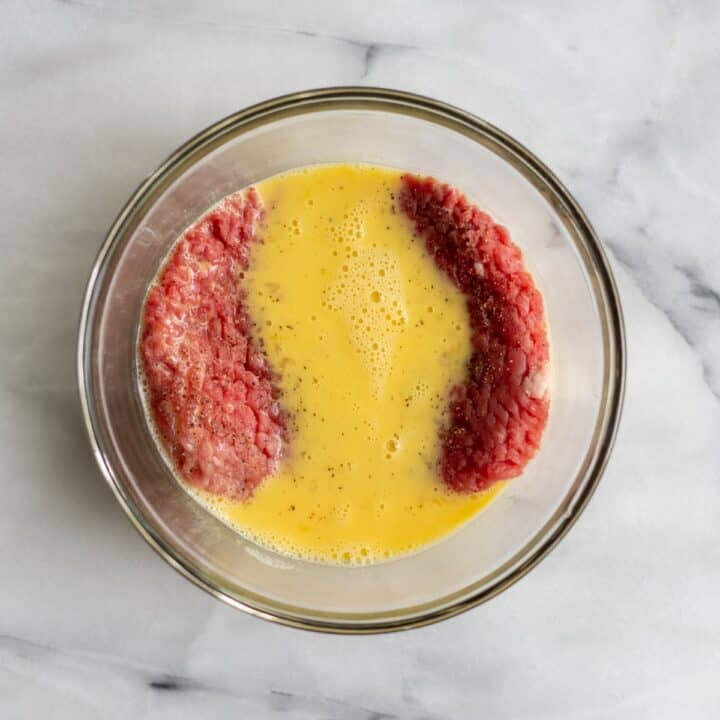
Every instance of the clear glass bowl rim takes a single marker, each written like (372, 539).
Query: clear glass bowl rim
(587, 242)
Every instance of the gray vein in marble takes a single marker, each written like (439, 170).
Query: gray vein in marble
(701, 291)
(292, 703)
(31, 650)
(174, 683)
(160, 683)
(648, 248)
(370, 48)
(671, 307)
(371, 53)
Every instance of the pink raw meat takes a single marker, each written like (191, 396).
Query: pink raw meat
(497, 416)
(209, 386)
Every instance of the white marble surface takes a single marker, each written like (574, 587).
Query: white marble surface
(623, 101)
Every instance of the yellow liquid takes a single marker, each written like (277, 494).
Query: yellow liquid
(368, 337)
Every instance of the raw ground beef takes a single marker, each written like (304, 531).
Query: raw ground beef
(209, 387)
(497, 416)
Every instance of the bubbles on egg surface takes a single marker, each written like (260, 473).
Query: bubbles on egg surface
(373, 323)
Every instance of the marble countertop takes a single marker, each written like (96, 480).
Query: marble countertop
(623, 101)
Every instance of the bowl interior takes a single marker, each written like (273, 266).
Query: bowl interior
(499, 542)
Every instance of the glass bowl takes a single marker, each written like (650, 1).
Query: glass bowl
(385, 127)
